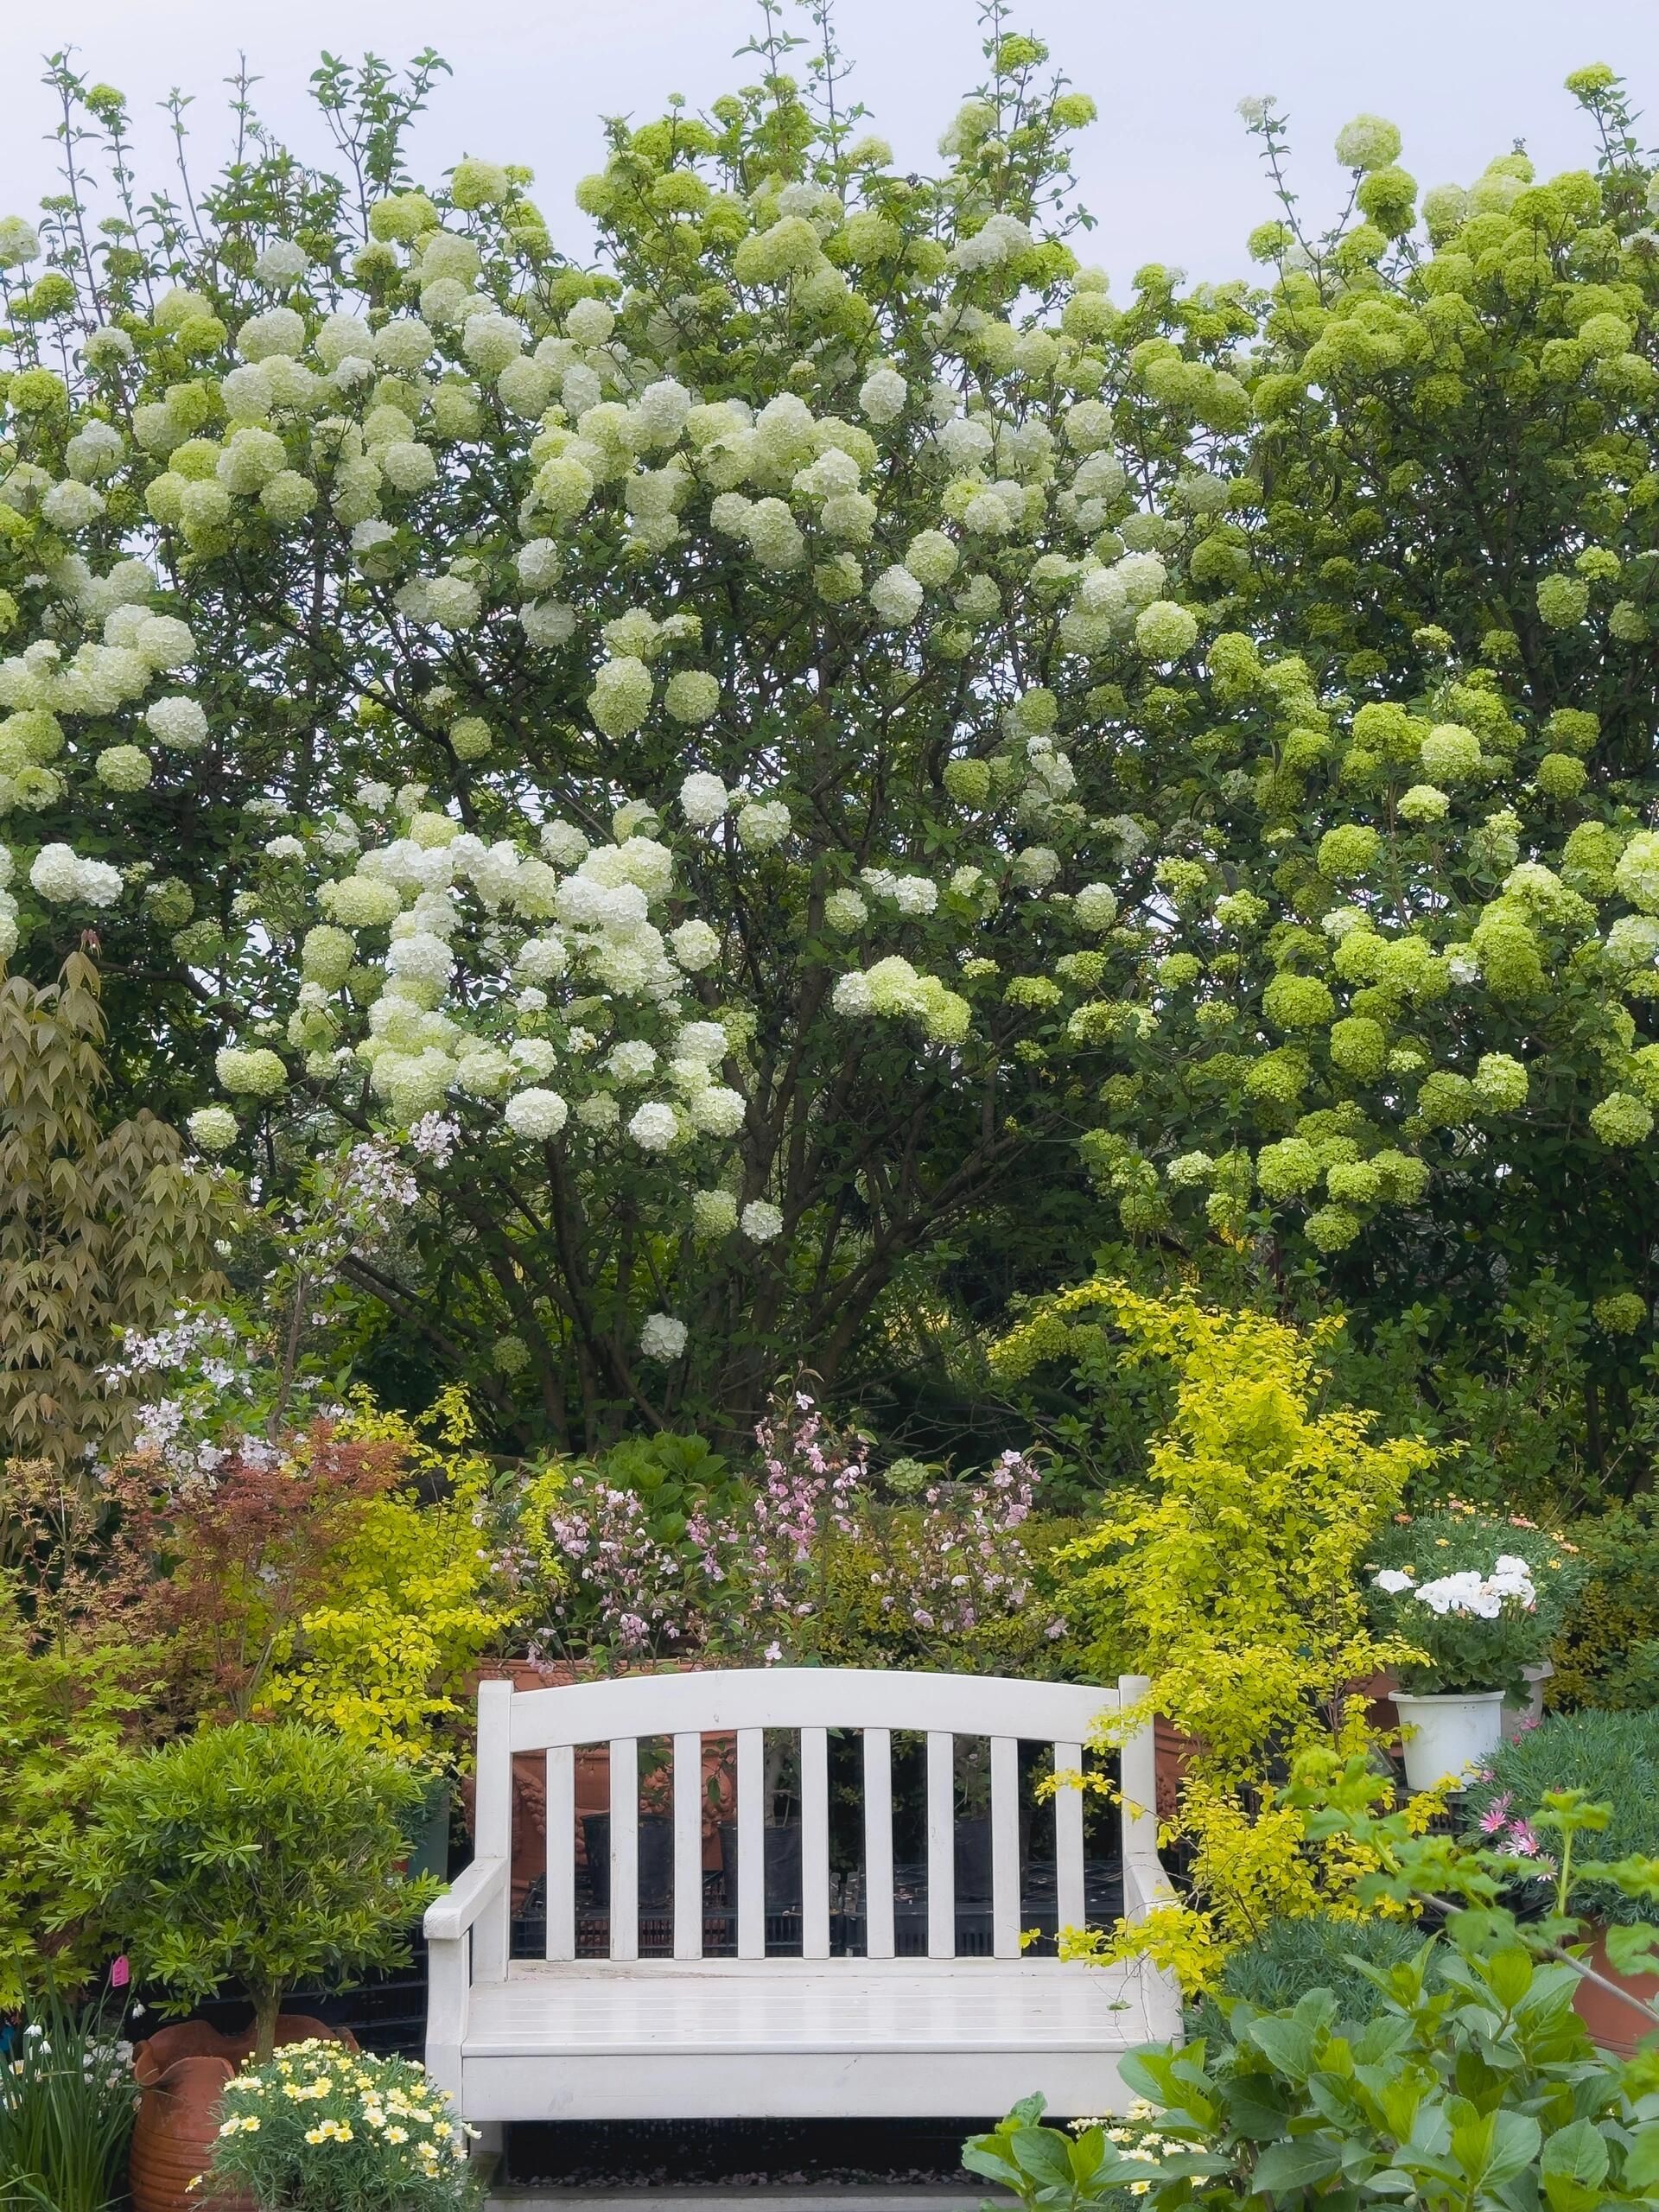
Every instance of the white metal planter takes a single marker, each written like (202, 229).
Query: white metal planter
(1452, 1734)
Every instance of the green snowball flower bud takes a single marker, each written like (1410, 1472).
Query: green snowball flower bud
(1445, 1100)
(1622, 1119)
(1297, 1003)
(1287, 1169)
(1354, 1182)
(1451, 753)
(1561, 775)
(1621, 1313)
(1329, 1229)
(692, 696)
(326, 956)
(1500, 1084)
(257, 1074)
(470, 738)
(1370, 141)
(1424, 802)
(124, 768)
(967, 782)
(1563, 602)
(1359, 1046)
(213, 1127)
(620, 698)
(1347, 852)
(1166, 630)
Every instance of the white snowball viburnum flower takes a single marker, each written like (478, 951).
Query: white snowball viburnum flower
(702, 1040)
(845, 912)
(661, 1337)
(694, 946)
(178, 721)
(703, 799)
(763, 823)
(1096, 906)
(882, 395)
(258, 1073)
(761, 1222)
(213, 1127)
(631, 1061)
(536, 1114)
(61, 877)
(716, 1111)
(896, 596)
(654, 1126)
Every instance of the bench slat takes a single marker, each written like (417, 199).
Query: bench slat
(1005, 1847)
(688, 1846)
(562, 1853)
(941, 1846)
(625, 1847)
(1068, 1839)
(814, 1843)
(878, 1843)
(751, 1843)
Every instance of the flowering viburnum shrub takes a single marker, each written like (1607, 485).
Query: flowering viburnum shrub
(771, 734)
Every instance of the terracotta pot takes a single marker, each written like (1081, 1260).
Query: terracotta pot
(182, 2071)
(1615, 2026)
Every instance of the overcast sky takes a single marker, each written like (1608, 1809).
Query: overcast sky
(1167, 171)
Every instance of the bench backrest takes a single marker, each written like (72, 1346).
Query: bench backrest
(744, 1703)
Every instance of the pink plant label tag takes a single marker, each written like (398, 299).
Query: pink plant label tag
(120, 1973)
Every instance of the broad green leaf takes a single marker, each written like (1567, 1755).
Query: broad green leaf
(1301, 2162)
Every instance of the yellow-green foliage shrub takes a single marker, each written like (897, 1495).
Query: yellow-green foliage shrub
(1232, 1580)
(411, 1609)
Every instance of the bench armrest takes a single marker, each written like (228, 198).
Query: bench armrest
(1146, 1884)
(476, 1888)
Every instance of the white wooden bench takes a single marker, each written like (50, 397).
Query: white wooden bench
(755, 2037)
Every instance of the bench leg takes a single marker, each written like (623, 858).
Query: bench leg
(486, 2150)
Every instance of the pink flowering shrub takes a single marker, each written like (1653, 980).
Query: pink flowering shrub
(658, 1552)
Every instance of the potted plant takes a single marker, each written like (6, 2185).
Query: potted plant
(318, 2130)
(265, 1856)
(1614, 1757)
(1477, 1600)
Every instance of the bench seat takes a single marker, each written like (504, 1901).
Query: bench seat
(737, 2039)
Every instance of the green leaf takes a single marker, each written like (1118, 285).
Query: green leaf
(1287, 2044)
(1043, 2153)
(1255, 2105)
(1634, 1949)
(1642, 2159)
(1573, 2166)
(1301, 2162)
